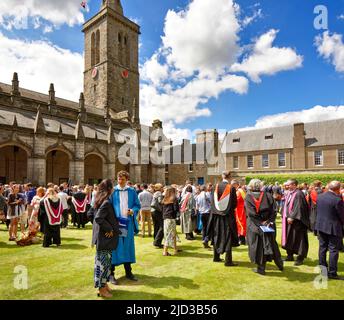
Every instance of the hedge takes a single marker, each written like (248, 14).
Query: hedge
(301, 178)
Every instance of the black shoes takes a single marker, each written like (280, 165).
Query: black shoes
(131, 277)
(113, 280)
(259, 271)
(206, 245)
(217, 260)
(289, 258)
(231, 264)
(298, 262)
(280, 265)
(335, 277)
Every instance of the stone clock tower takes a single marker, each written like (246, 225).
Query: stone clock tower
(111, 76)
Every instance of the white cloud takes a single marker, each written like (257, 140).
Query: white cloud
(250, 19)
(341, 17)
(268, 60)
(191, 66)
(203, 38)
(153, 71)
(331, 47)
(193, 63)
(317, 113)
(40, 63)
(182, 104)
(176, 134)
(20, 14)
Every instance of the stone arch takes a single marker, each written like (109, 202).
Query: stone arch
(60, 147)
(13, 162)
(94, 168)
(57, 165)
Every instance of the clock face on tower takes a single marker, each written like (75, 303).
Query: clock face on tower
(94, 72)
(125, 74)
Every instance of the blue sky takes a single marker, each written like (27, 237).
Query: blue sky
(315, 82)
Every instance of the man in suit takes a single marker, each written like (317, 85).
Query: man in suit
(329, 225)
(222, 228)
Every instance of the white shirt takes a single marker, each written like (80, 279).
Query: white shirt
(123, 201)
(63, 197)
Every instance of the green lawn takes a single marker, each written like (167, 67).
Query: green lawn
(67, 273)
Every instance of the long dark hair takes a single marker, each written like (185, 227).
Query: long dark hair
(104, 191)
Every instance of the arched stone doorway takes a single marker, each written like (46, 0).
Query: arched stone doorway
(93, 169)
(13, 164)
(57, 167)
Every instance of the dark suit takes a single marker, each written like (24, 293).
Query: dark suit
(105, 221)
(329, 225)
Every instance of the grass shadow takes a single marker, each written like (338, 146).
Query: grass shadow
(71, 239)
(160, 282)
(73, 246)
(134, 295)
(293, 274)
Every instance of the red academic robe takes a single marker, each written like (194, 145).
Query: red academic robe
(240, 214)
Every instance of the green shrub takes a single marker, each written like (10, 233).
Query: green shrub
(301, 178)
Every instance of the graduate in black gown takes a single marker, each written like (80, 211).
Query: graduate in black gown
(313, 197)
(79, 207)
(50, 215)
(261, 211)
(222, 228)
(295, 224)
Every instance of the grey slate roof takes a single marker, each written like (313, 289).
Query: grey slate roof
(45, 98)
(323, 133)
(26, 120)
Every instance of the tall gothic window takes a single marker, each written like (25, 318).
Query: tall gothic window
(97, 47)
(93, 49)
(120, 48)
(127, 51)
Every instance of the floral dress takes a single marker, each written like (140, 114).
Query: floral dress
(33, 223)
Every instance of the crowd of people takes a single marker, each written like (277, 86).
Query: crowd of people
(225, 215)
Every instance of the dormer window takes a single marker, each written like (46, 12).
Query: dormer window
(269, 137)
(236, 140)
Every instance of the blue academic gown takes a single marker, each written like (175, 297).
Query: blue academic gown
(125, 252)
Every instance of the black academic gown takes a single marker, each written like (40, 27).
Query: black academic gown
(81, 217)
(297, 232)
(222, 228)
(262, 246)
(313, 211)
(52, 234)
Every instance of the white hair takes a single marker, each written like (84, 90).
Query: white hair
(334, 185)
(255, 185)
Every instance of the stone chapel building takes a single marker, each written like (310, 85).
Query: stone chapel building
(44, 138)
